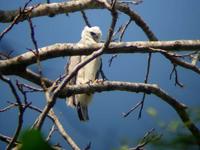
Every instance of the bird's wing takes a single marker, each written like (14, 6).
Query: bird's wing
(99, 70)
(72, 62)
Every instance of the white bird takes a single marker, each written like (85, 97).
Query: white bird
(87, 74)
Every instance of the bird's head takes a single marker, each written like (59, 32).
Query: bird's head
(91, 33)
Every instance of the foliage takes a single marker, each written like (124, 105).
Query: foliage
(33, 140)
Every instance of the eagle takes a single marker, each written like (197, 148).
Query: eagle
(88, 73)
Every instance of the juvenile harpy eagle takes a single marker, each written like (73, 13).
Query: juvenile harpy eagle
(88, 73)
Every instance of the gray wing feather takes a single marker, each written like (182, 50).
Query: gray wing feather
(99, 71)
(72, 62)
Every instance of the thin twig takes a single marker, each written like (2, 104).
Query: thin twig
(63, 132)
(135, 2)
(30, 106)
(132, 109)
(51, 115)
(85, 18)
(33, 36)
(53, 129)
(16, 19)
(177, 82)
(145, 81)
(10, 26)
(121, 30)
(101, 72)
(111, 59)
(124, 29)
(20, 88)
(141, 103)
(5, 139)
(37, 54)
(29, 88)
(150, 136)
(7, 108)
(88, 147)
(21, 112)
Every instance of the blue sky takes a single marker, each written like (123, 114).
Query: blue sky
(169, 20)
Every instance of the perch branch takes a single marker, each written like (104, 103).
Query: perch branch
(19, 63)
(144, 88)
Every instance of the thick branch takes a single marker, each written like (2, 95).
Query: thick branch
(50, 9)
(134, 87)
(19, 63)
(140, 87)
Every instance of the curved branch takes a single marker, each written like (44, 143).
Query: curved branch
(73, 6)
(133, 87)
(144, 88)
(19, 63)
(129, 87)
(50, 9)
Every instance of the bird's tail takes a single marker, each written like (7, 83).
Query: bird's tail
(82, 111)
(71, 101)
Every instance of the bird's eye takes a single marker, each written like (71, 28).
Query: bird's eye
(93, 33)
(95, 36)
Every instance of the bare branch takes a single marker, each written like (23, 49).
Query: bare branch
(139, 87)
(19, 63)
(145, 81)
(88, 146)
(132, 109)
(7, 108)
(22, 12)
(58, 124)
(30, 106)
(85, 18)
(5, 139)
(121, 30)
(21, 111)
(51, 115)
(174, 70)
(53, 129)
(150, 136)
(62, 131)
(124, 29)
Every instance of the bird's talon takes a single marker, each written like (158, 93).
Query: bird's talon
(100, 81)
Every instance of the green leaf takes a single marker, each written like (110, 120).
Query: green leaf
(151, 111)
(33, 140)
(124, 147)
(173, 125)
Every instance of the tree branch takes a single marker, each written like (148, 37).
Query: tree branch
(19, 63)
(140, 87)
(21, 112)
(49, 9)
(135, 87)
(5, 139)
(62, 131)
